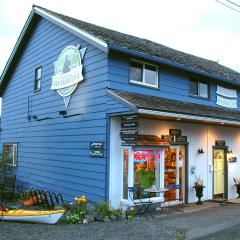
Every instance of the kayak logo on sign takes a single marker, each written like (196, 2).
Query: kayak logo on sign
(68, 72)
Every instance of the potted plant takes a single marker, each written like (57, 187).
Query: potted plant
(237, 184)
(198, 185)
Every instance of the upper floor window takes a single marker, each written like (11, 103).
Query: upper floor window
(199, 88)
(38, 76)
(143, 73)
(10, 153)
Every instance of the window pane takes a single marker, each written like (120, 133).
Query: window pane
(194, 87)
(136, 72)
(151, 75)
(146, 170)
(203, 90)
(38, 84)
(8, 153)
(125, 173)
(39, 73)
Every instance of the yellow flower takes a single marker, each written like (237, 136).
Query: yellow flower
(132, 208)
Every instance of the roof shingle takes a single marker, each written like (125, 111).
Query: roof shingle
(151, 48)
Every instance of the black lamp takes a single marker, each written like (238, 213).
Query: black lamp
(63, 113)
(200, 150)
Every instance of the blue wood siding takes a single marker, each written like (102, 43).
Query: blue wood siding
(53, 154)
(174, 84)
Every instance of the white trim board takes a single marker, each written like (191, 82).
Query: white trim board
(189, 117)
(74, 30)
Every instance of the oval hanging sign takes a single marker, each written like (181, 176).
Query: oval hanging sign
(68, 72)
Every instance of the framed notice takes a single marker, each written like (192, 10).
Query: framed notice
(96, 149)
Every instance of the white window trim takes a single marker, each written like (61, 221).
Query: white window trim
(143, 74)
(15, 145)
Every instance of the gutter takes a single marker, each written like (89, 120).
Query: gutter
(113, 47)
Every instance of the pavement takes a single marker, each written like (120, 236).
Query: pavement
(198, 222)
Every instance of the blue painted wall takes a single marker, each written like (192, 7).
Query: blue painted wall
(174, 84)
(54, 154)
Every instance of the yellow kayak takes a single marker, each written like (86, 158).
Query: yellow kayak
(22, 215)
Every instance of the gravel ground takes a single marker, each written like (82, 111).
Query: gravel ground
(158, 226)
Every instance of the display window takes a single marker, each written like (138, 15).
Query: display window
(154, 168)
(142, 168)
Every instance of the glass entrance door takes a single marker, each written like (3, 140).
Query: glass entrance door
(219, 173)
(174, 172)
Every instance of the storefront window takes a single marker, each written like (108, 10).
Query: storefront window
(146, 169)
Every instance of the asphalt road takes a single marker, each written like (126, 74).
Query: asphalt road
(232, 233)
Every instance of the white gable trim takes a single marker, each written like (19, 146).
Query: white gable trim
(74, 30)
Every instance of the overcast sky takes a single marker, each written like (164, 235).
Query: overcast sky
(201, 27)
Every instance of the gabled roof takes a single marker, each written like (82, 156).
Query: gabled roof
(151, 105)
(106, 39)
(151, 48)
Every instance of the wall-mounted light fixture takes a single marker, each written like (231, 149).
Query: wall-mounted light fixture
(200, 150)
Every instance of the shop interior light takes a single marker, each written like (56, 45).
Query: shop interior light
(222, 123)
(178, 119)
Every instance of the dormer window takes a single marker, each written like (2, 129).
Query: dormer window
(199, 88)
(143, 73)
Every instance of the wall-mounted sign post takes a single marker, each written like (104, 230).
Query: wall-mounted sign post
(96, 149)
(129, 130)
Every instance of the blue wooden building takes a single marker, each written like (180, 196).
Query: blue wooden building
(88, 110)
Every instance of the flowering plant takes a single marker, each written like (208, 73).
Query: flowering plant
(198, 182)
(80, 200)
